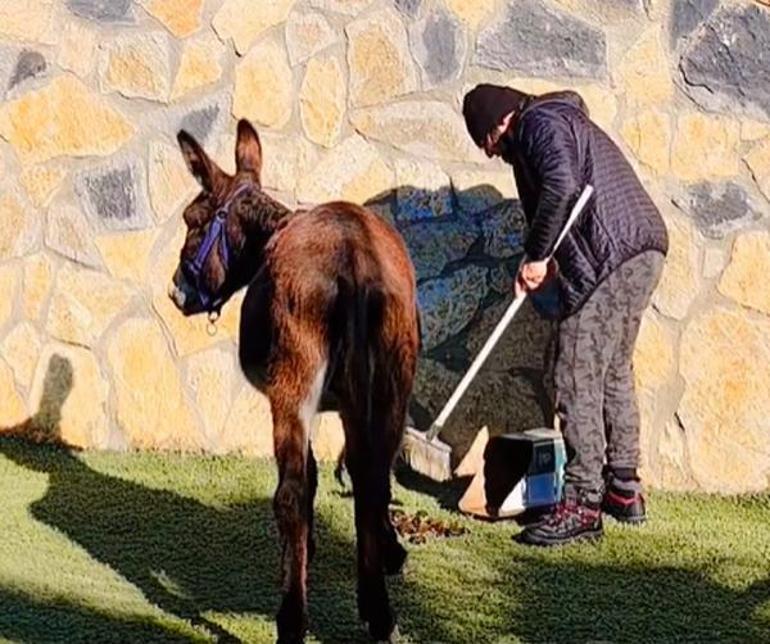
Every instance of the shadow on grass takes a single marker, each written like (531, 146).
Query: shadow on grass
(26, 619)
(562, 601)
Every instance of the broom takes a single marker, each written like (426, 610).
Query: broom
(424, 452)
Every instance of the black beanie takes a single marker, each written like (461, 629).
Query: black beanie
(486, 105)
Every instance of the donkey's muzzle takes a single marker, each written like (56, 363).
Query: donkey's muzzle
(183, 295)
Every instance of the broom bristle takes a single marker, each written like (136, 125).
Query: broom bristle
(431, 458)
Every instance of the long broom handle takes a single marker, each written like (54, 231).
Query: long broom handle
(502, 325)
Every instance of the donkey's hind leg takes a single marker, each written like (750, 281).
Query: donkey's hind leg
(369, 474)
(294, 402)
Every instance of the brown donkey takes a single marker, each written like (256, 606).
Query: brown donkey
(329, 321)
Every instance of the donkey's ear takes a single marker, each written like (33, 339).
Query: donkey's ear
(248, 149)
(198, 162)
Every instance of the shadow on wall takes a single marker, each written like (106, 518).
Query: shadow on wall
(466, 246)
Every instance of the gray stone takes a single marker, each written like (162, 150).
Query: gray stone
(729, 64)
(438, 44)
(448, 304)
(504, 228)
(30, 64)
(408, 7)
(102, 10)
(686, 15)
(200, 122)
(435, 244)
(115, 196)
(537, 40)
(719, 209)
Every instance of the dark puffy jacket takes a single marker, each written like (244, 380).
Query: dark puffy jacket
(555, 150)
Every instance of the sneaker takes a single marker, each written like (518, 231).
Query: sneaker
(576, 518)
(623, 500)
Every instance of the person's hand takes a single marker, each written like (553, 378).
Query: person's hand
(533, 276)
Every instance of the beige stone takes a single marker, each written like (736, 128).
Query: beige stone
(83, 304)
(20, 225)
(245, 20)
(263, 87)
(705, 147)
(77, 48)
(679, 283)
(137, 66)
(26, 20)
(12, 408)
(654, 362)
(306, 35)
(280, 168)
(601, 102)
(9, 281)
(41, 182)
(127, 254)
(758, 160)
(726, 403)
(648, 135)
(477, 190)
(669, 467)
(714, 260)
(423, 182)
(352, 171)
(745, 279)
(21, 350)
(328, 437)
(37, 281)
(424, 128)
(151, 408)
(644, 72)
(69, 234)
(502, 181)
(63, 119)
(322, 101)
(69, 397)
(249, 425)
(171, 186)
(348, 7)
(754, 130)
(180, 17)
(472, 12)
(381, 67)
(200, 65)
(210, 379)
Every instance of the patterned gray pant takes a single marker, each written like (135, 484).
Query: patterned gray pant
(593, 373)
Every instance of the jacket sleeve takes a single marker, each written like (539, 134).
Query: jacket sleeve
(550, 149)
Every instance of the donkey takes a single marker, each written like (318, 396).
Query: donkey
(329, 321)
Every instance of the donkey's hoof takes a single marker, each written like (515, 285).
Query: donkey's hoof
(394, 637)
(394, 558)
(383, 629)
(382, 626)
(292, 623)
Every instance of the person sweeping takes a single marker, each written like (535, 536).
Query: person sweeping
(604, 274)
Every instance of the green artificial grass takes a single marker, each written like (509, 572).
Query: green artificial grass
(146, 547)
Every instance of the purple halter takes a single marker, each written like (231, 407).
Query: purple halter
(216, 233)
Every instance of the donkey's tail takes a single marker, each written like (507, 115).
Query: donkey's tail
(360, 309)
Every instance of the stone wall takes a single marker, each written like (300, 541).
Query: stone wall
(360, 99)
